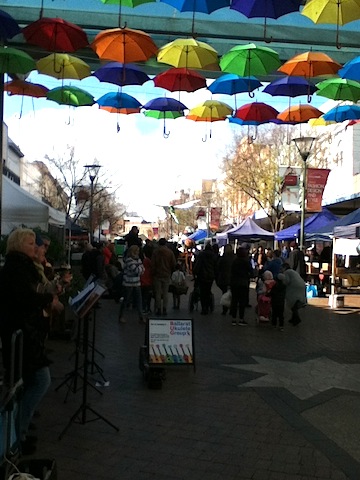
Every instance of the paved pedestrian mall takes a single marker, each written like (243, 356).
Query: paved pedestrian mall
(262, 404)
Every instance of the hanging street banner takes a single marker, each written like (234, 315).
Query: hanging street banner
(316, 179)
(215, 214)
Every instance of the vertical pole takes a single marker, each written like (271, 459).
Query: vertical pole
(208, 217)
(303, 197)
(92, 178)
(1, 145)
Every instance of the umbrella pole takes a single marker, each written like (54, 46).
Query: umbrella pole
(266, 40)
(165, 133)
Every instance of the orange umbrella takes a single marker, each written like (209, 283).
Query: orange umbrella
(310, 64)
(21, 87)
(28, 89)
(299, 114)
(124, 45)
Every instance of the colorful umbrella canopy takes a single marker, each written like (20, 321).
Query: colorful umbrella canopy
(351, 69)
(256, 112)
(124, 45)
(189, 53)
(8, 26)
(343, 112)
(337, 12)
(21, 87)
(73, 96)
(180, 79)
(164, 115)
(55, 35)
(13, 60)
(62, 65)
(247, 60)
(121, 74)
(339, 89)
(290, 87)
(164, 104)
(118, 100)
(310, 64)
(299, 114)
(265, 8)
(124, 111)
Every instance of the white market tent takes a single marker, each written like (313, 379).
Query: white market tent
(20, 208)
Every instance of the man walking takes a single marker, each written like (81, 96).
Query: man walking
(162, 265)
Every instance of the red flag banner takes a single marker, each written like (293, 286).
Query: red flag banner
(316, 179)
(215, 218)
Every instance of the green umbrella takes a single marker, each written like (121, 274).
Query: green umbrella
(247, 60)
(13, 60)
(163, 115)
(339, 89)
(68, 95)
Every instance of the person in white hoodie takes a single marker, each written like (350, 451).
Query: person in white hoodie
(133, 269)
(295, 291)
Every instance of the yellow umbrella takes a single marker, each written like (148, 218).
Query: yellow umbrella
(189, 53)
(62, 65)
(319, 122)
(337, 12)
(210, 111)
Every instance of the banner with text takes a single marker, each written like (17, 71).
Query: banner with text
(316, 179)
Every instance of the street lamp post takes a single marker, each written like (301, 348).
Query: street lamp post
(93, 171)
(304, 146)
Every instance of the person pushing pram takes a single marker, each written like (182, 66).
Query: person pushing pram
(263, 290)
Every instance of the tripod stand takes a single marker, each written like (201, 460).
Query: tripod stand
(80, 415)
(71, 378)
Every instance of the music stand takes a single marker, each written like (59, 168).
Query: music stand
(84, 311)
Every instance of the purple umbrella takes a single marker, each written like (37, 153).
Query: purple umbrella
(265, 9)
(121, 74)
(165, 104)
(290, 87)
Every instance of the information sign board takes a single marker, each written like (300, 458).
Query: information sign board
(171, 342)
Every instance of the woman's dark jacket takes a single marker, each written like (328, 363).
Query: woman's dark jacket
(205, 265)
(241, 272)
(21, 307)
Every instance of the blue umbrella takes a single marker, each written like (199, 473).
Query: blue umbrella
(118, 100)
(231, 84)
(290, 86)
(201, 6)
(351, 69)
(342, 113)
(265, 9)
(8, 26)
(165, 104)
(121, 74)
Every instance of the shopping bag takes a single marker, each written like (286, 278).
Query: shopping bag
(225, 300)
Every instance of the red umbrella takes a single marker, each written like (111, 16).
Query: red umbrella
(256, 112)
(180, 79)
(55, 35)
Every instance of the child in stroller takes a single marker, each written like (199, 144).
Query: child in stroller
(263, 290)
